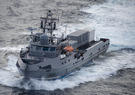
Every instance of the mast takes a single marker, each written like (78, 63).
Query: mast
(48, 24)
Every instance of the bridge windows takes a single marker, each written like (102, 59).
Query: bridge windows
(42, 48)
(52, 49)
(49, 48)
(45, 48)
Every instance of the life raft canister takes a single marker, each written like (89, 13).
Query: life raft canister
(69, 48)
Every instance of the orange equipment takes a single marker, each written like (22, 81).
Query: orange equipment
(69, 48)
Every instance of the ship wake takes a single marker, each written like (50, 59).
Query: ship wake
(104, 67)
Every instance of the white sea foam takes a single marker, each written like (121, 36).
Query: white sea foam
(114, 20)
(104, 67)
(11, 66)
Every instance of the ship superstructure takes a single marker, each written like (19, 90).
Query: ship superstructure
(52, 57)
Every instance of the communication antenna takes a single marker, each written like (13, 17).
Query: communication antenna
(65, 28)
(68, 41)
(31, 29)
(60, 13)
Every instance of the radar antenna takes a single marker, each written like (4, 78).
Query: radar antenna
(48, 23)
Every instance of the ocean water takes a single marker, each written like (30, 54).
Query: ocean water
(114, 19)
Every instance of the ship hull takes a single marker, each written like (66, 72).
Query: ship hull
(62, 66)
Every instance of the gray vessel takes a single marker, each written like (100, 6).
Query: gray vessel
(53, 57)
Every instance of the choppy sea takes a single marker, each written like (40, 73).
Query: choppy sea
(113, 19)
